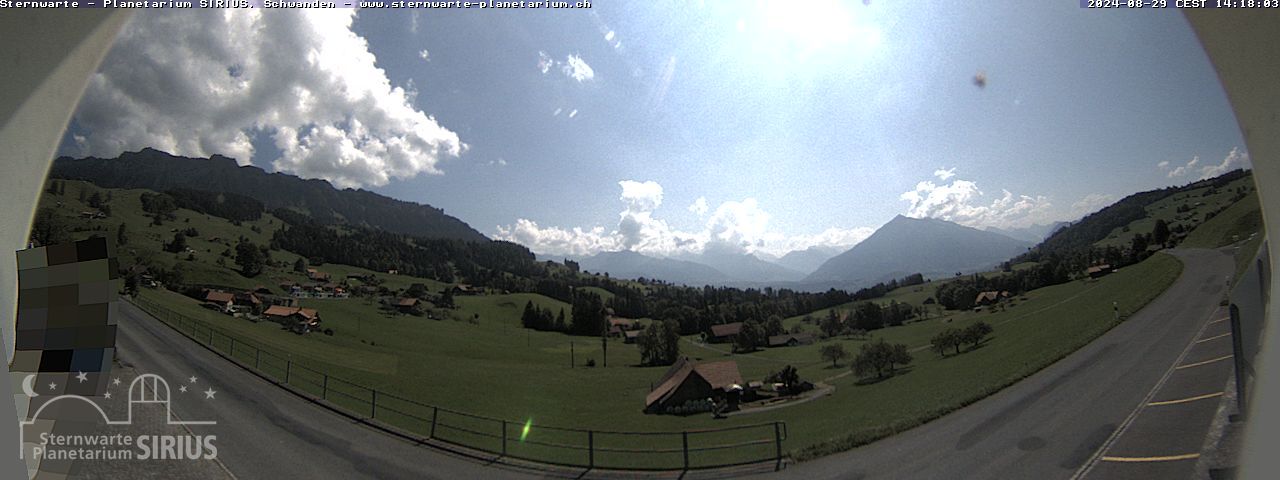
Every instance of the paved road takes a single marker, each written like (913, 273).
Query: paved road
(266, 432)
(1046, 426)
(1051, 424)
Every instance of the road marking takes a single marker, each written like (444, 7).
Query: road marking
(1106, 445)
(1206, 362)
(1213, 337)
(1223, 319)
(1169, 458)
(1185, 400)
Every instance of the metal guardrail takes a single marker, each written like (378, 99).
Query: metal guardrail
(1248, 305)
(568, 447)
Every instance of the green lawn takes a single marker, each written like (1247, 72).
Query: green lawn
(1167, 209)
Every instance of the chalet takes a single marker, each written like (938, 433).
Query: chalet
(298, 319)
(685, 382)
(406, 305)
(222, 300)
(631, 336)
(464, 289)
(790, 339)
(986, 298)
(248, 300)
(317, 275)
(619, 325)
(725, 332)
(1098, 271)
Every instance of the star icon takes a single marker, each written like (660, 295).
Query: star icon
(208, 394)
(107, 395)
(116, 381)
(192, 379)
(182, 388)
(82, 377)
(52, 386)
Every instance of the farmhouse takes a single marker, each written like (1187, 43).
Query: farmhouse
(790, 339)
(317, 275)
(464, 289)
(298, 319)
(986, 298)
(1097, 271)
(222, 300)
(685, 382)
(630, 336)
(725, 333)
(248, 300)
(406, 305)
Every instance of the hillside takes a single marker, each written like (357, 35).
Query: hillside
(155, 170)
(910, 245)
(626, 264)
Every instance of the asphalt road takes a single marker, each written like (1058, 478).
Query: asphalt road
(1053, 423)
(1047, 426)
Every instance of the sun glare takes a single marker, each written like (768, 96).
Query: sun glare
(817, 25)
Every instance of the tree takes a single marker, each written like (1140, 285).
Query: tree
(178, 244)
(300, 265)
(974, 334)
(946, 340)
(588, 314)
(773, 326)
(834, 352)
(868, 316)
(1160, 233)
(751, 336)
(530, 317)
(48, 228)
(660, 343)
(789, 377)
(122, 234)
(95, 200)
(880, 357)
(249, 258)
(831, 324)
(560, 324)
(131, 284)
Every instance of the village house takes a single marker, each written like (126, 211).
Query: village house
(223, 301)
(298, 319)
(1098, 271)
(791, 339)
(684, 382)
(406, 305)
(618, 326)
(631, 336)
(317, 275)
(464, 289)
(724, 333)
(986, 298)
(248, 301)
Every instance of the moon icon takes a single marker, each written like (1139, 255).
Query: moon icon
(26, 387)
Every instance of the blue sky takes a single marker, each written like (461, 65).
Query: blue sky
(795, 127)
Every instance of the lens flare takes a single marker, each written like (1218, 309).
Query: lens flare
(525, 432)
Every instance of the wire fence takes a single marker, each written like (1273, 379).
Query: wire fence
(569, 447)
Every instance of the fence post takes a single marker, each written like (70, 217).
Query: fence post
(777, 442)
(685, 436)
(288, 366)
(435, 413)
(504, 438)
(324, 389)
(591, 449)
(373, 405)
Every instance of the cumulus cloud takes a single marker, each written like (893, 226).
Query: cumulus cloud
(1235, 159)
(1184, 169)
(962, 202)
(202, 84)
(577, 69)
(1091, 203)
(699, 207)
(734, 226)
(1164, 165)
(944, 175)
(573, 66)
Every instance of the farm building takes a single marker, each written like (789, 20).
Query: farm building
(298, 319)
(630, 336)
(791, 339)
(987, 298)
(464, 289)
(406, 305)
(222, 300)
(685, 382)
(725, 333)
(1097, 271)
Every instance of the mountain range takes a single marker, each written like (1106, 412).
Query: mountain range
(156, 170)
(1031, 233)
(917, 245)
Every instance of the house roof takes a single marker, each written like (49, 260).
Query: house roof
(621, 322)
(990, 296)
(632, 333)
(1098, 268)
(283, 311)
(407, 302)
(720, 375)
(726, 330)
(778, 340)
(219, 297)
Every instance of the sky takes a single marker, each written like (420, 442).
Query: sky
(670, 127)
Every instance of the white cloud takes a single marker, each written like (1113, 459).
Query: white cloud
(1185, 169)
(198, 85)
(557, 112)
(573, 113)
(736, 226)
(501, 162)
(1164, 165)
(425, 55)
(962, 202)
(944, 175)
(1234, 160)
(699, 207)
(574, 67)
(1091, 203)
(545, 62)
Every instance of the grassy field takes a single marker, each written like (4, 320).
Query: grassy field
(1200, 202)
(478, 359)
(1241, 222)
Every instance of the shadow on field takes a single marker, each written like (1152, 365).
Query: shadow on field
(874, 380)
